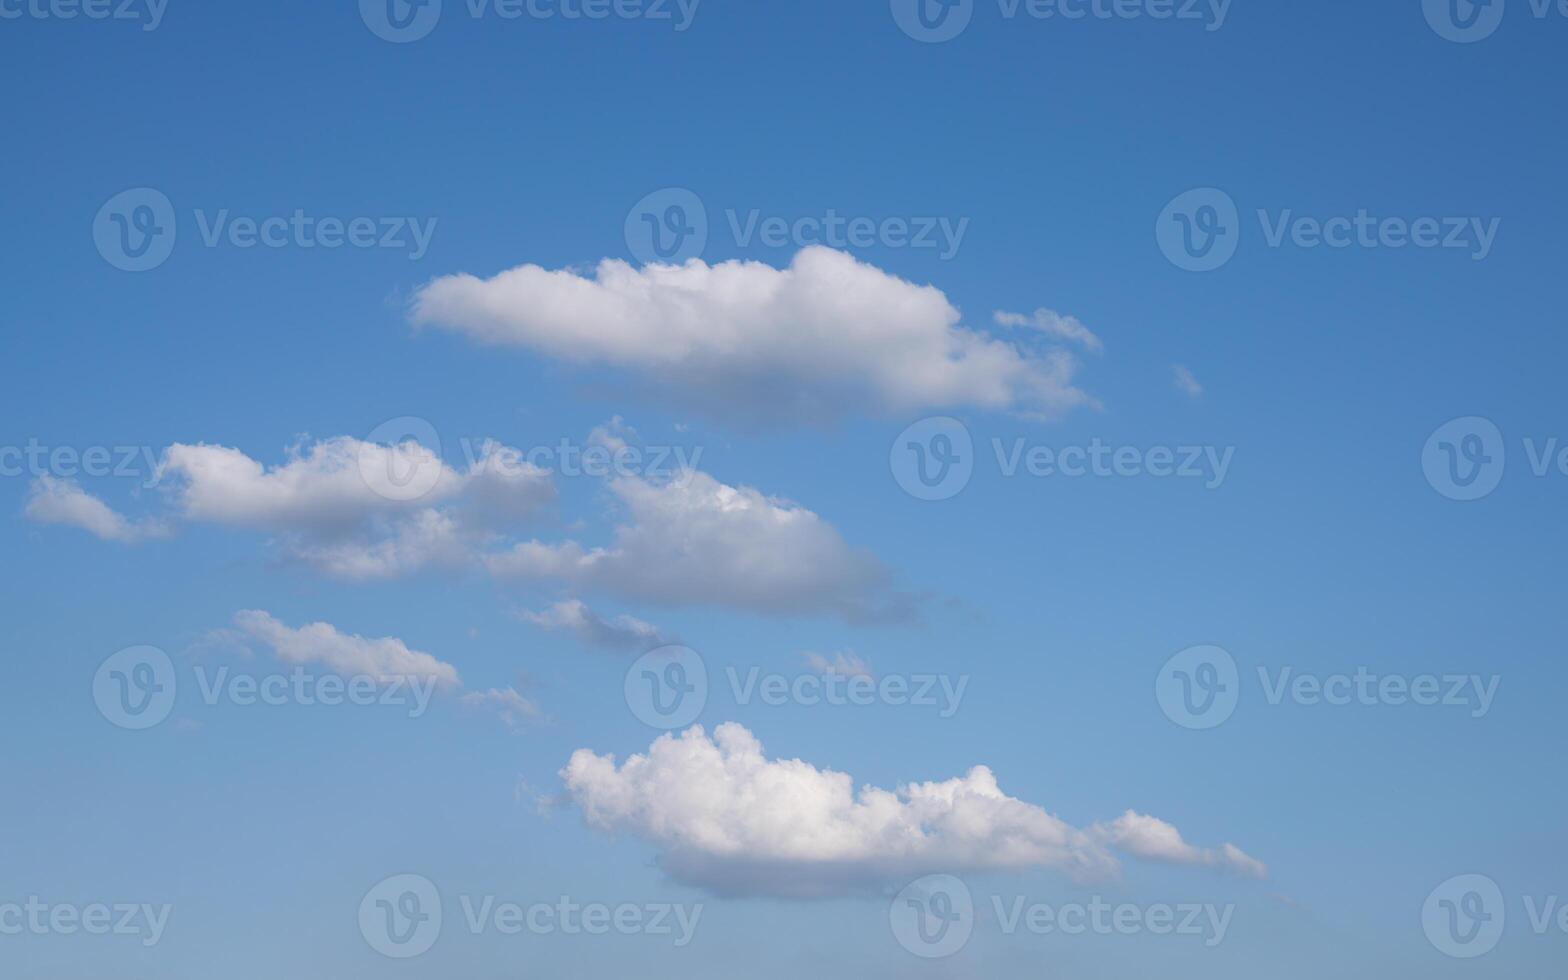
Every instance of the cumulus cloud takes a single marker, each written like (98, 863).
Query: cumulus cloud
(826, 336)
(621, 633)
(55, 501)
(348, 508)
(728, 819)
(1186, 382)
(1155, 840)
(699, 541)
(347, 654)
(1052, 324)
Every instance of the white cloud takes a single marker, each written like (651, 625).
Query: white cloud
(699, 541)
(622, 633)
(1155, 840)
(1053, 324)
(55, 501)
(1186, 382)
(514, 709)
(347, 654)
(842, 665)
(728, 819)
(826, 336)
(350, 509)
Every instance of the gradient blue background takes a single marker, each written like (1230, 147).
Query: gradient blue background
(1325, 549)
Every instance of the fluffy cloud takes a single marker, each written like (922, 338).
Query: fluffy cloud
(842, 664)
(349, 655)
(825, 336)
(699, 541)
(55, 501)
(623, 633)
(348, 508)
(1155, 840)
(728, 819)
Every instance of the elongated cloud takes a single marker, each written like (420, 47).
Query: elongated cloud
(55, 501)
(826, 336)
(699, 541)
(727, 818)
(1155, 840)
(620, 634)
(347, 654)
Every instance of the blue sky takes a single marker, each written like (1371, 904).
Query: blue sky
(879, 231)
